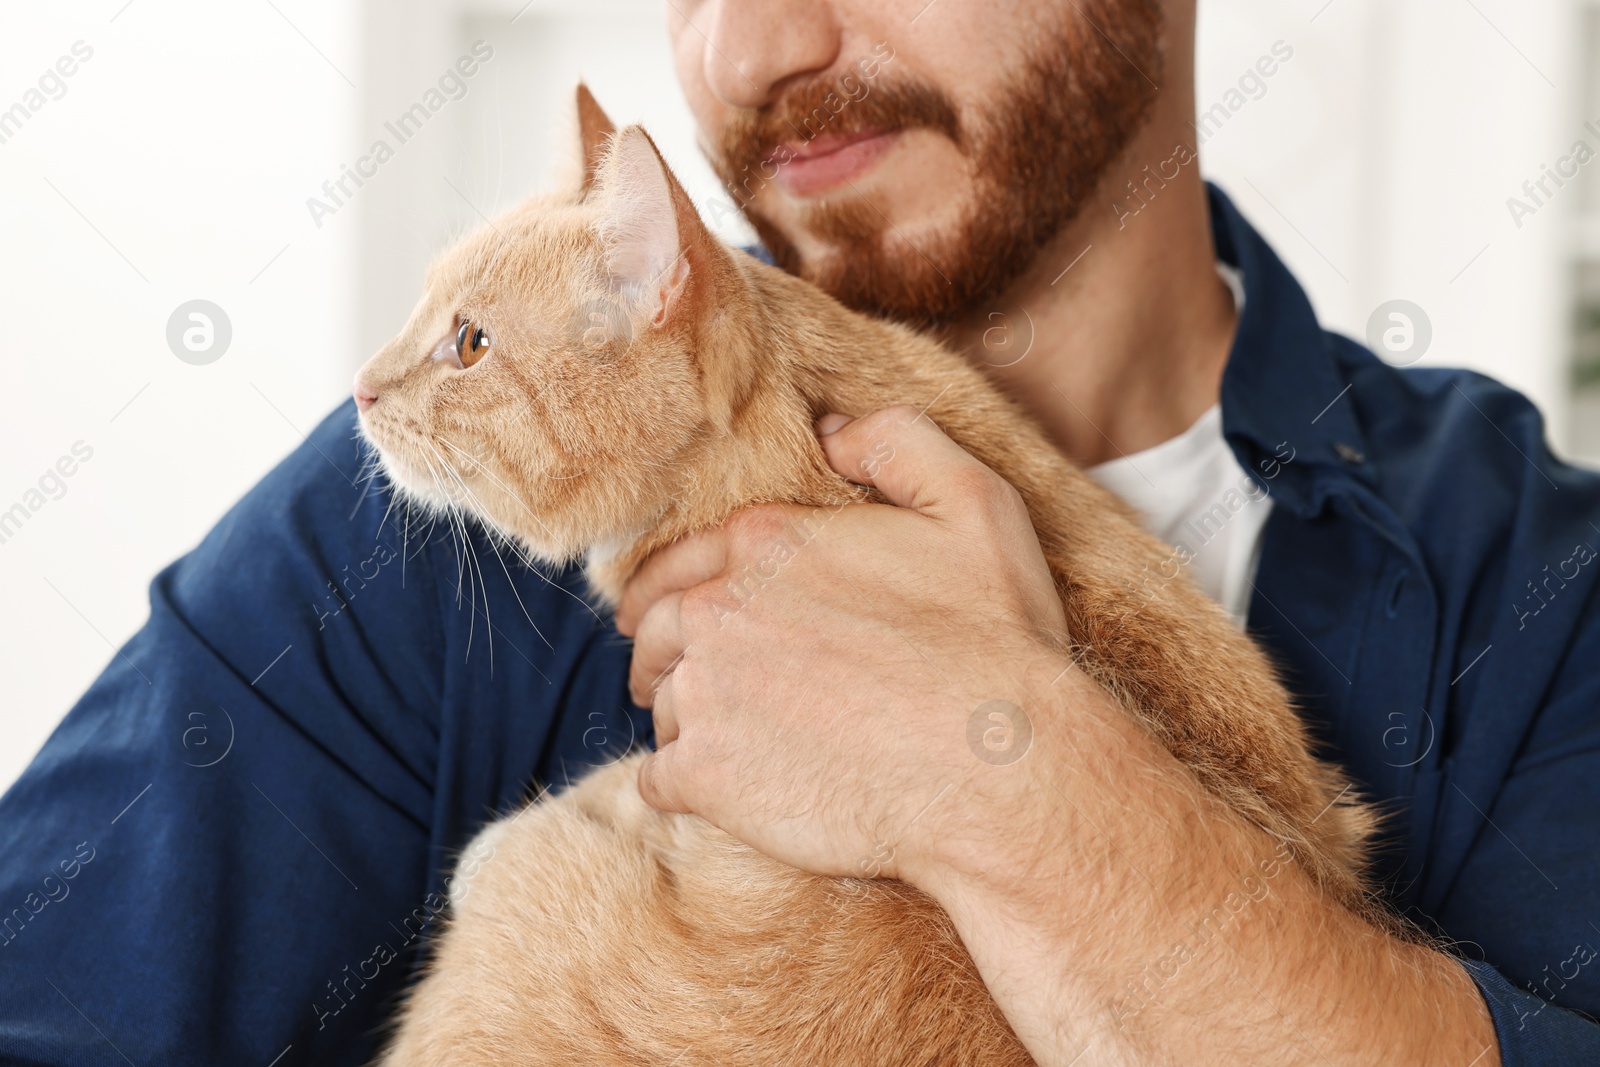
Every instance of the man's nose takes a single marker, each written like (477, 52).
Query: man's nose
(752, 49)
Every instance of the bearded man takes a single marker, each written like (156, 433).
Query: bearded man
(1022, 178)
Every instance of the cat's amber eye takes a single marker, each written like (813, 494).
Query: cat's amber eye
(472, 343)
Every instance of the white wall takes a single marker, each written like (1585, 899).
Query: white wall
(1380, 158)
(512, 131)
(174, 167)
(1377, 162)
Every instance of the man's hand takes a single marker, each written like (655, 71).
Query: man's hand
(813, 671)
(879, 690)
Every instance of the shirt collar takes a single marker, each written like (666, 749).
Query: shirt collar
(1285, 392)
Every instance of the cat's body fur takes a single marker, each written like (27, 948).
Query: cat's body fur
(600, 931)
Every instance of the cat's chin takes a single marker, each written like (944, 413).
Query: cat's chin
(413, 486)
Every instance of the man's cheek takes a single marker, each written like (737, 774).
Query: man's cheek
(688, 64)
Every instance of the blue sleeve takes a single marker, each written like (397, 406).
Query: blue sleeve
(233, 846)
(1526, 896)
(1531, 1031)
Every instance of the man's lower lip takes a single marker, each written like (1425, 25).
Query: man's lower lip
(805, 176)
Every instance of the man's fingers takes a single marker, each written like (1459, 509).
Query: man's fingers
(901, 453)
(659, 782)
(697, 558)
(664, 716)
(657, 645)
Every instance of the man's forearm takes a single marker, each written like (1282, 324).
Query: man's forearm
(1183, 933)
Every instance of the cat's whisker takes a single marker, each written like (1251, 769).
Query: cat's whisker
(494, 537)
(444, 505)
(518, 596)
(413, 502)
(487, 473)
(459, 515)
(463, 569)
(405, 537)
(393, 495)
(526, 560)
(371, 464)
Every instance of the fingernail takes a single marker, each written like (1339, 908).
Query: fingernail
(832, 423)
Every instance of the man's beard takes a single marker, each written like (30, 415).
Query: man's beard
(1038, 154)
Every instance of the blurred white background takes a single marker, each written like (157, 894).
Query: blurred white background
(176, 161)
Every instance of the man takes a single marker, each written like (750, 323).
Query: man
(230, 848)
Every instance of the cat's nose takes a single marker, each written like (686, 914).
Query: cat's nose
(365, 395)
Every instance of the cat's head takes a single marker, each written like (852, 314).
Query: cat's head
(554, 377)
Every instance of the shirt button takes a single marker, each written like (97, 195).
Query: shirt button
(1348, 454)
(1396, 592)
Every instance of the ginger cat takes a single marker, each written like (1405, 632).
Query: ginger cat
(598, 376)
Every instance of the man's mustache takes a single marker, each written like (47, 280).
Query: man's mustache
(757, 141)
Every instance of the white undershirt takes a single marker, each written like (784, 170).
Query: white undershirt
(1192, 494)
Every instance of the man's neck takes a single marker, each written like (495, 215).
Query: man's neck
(1130, 323)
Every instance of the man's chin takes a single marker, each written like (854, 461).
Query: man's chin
(954, 214)
(878, 273)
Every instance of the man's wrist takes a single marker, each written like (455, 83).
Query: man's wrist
(1044, 790)
(1109, 900)
(1060, 869)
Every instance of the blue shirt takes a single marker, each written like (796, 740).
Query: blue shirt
(233, 846)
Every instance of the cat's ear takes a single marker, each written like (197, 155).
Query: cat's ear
(656, 246)
(595, 129)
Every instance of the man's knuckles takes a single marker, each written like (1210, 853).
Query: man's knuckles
(757, 531)
(707, 607)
